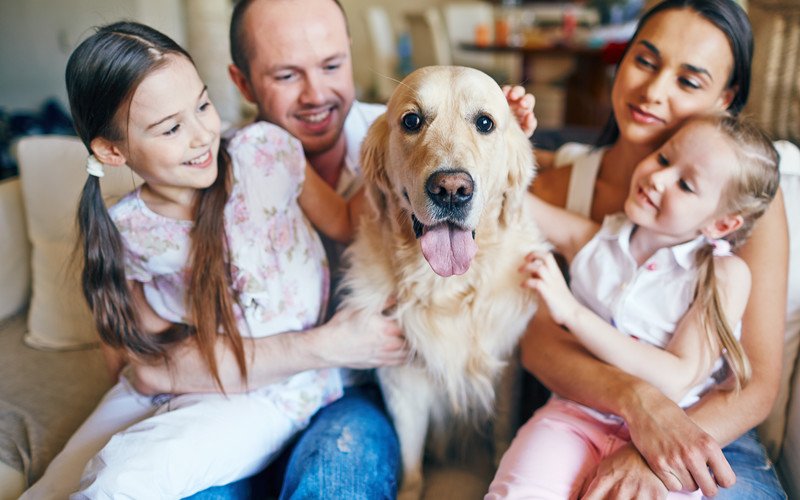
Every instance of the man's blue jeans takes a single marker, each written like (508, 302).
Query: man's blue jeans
(349, 450)
(756, 478)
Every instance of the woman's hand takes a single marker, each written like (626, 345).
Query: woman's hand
(521, 104)
(678, 451)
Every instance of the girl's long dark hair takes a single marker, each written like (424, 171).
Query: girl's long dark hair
(729, 18)
(102, 75)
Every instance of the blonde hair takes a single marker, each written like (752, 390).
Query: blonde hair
(748, 193)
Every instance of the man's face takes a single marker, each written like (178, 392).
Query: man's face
(301, 75)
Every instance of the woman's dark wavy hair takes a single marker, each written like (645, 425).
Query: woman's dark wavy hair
(732, 20)
(102, 75)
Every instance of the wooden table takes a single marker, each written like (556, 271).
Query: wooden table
(588, 88)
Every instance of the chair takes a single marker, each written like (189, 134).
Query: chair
(775, 88)
(384, 54)
(429, 44)
(775, 103)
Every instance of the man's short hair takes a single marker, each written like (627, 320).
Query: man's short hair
(240, 49)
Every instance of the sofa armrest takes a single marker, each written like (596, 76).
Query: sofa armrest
(15, 250)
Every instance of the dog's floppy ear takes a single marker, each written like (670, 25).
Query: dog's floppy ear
(373, 154)
(521, 170)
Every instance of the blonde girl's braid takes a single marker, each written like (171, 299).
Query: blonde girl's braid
(749, 192)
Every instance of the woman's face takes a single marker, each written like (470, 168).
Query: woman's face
(678, 66)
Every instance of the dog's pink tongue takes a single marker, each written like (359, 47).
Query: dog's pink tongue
(449, 250)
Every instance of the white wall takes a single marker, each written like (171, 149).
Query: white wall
(37, 36)
(362, 68)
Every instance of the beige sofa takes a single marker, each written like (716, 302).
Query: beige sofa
(51, 376)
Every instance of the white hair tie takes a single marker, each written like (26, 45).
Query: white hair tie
(722, 247)
(94, 166)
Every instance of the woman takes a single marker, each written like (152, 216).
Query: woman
(687, 57)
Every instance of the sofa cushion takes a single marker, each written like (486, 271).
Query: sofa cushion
(789, 463)
(12, 482)
(15, 274)
(53, 171)
(775, 87)
(44, 397)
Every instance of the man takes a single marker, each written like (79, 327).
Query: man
(293, 61)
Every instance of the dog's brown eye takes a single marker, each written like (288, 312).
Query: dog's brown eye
(412, 122)
(484, 124)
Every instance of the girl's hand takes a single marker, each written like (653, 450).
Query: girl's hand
(521, 104)
(544, 277)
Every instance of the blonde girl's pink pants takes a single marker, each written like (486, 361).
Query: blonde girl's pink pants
(555, 451)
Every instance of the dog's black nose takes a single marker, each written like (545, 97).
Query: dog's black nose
(450, 188)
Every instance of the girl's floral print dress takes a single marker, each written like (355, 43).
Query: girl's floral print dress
(279, 268)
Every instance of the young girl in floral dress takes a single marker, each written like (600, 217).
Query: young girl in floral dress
(213, 245)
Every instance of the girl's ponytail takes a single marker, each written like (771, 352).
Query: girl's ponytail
(104, 285)
(752, 187)
(714, 320)
(210, 300)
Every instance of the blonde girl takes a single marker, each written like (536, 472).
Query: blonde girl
(656, 292)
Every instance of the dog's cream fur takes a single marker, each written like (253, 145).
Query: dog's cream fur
(462, 328)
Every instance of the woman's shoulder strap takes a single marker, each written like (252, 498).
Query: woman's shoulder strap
(585, 161)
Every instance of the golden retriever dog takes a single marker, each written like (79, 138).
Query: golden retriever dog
(447, 169)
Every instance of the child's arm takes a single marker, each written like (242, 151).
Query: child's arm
(686, 360)
(567, 231)
(331, 214)
(691, 339)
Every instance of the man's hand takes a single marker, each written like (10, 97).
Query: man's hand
(348, 340)
(521, 104)
(352, 340)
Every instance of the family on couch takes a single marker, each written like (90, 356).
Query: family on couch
(688, 58)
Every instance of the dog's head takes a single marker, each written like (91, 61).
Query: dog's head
(447, 157)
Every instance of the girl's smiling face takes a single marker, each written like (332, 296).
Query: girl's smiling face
(679, 65)
(173, 132)
(678, 191)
